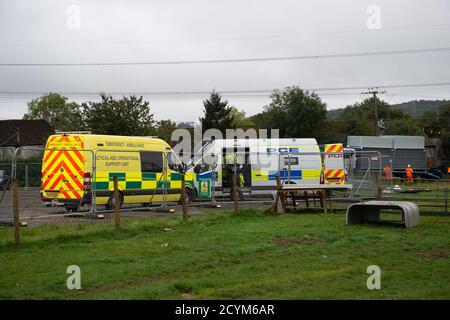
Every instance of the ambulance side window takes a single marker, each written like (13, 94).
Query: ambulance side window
(151, 161)
(202, 167)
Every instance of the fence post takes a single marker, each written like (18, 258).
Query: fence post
(213, 187)
(183, 197)
(446, 200)
(379, 186)
(235, 195)
(15, 212)
(116, 204)
(280, 194)
(26, 176)
(437, 192)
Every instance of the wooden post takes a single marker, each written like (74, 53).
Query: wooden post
(281, 193)
(446, 200)
(323, 200)
(379, 191)
(306, 199)
(314, 198)
(235, 193)
(328, 195)
(275, 204)
(183, 197)
(15, 212)
(378, 184)
(116, 204)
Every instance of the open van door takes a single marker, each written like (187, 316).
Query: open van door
(243, 166)
(333, 164)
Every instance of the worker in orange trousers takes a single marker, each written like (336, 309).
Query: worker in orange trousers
(388, 172)
(409, 174)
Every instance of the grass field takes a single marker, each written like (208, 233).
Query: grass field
(226, 256)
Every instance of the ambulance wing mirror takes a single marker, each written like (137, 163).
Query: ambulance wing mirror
(182, 168)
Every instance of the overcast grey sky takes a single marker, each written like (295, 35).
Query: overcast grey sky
(94, 31)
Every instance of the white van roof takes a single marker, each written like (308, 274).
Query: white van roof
(264, 142)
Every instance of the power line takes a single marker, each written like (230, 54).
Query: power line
(237, 60)
(156, 97)
(224, 92)
(277, 36)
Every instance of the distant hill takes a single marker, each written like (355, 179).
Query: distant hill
(414, 107)
(331, 114)
(417, 107)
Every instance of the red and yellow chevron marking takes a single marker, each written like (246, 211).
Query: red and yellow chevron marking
(335, 176)
(63, 167)
(338, 147)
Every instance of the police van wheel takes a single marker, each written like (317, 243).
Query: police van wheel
(112, 201)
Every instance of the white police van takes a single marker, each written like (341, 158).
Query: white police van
(257, 161)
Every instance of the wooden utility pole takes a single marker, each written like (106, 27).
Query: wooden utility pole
(374, 92)
(117, 204)
(16, 221)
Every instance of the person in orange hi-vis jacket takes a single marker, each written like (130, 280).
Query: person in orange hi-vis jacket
(409, 174)
(388, 172)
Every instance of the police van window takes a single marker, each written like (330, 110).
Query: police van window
(292, 160)
(151, 161)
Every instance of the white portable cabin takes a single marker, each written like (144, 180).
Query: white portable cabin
(298, 161)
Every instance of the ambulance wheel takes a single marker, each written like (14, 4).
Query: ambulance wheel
(71, 207)
(112, 201)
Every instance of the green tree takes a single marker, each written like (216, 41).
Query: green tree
(164, 129)
(356, 121)
(436, 124)
(360, 119)
(444, 119)
(240, 120)
(403, 126)
(62, 115)
(129, 116)
(237, 116)
(431, 124)
(217, 114)
(296, 113)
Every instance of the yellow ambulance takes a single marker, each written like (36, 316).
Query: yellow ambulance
(78, 168)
